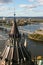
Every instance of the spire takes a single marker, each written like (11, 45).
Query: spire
(18, 54)
(16, 32)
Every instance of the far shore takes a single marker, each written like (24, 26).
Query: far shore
(37, 35)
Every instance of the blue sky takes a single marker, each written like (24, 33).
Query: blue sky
(22, 7)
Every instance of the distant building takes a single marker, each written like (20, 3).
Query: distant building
(3, 18)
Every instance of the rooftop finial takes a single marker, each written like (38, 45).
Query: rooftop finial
(14, 12)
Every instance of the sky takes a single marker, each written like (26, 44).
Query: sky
(30, 8)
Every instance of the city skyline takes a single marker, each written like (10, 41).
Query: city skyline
(22, 8)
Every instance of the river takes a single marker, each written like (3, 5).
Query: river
(32, 27)
(36, 48)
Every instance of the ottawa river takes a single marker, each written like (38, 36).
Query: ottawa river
(36, 48)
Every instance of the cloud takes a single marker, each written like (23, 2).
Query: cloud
(3, 8)
(38, 11)
(27, 9)
(30, 0)
(6, 11)
(40, 2)
(6, 8)
(22, 5)
(27, 6)
(5, 1)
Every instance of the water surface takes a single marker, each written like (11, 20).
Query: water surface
(35, 47)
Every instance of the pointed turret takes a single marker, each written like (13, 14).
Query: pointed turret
(16, 36)
(20, 53)
(14, 30)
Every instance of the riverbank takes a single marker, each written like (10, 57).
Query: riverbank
(37, 35)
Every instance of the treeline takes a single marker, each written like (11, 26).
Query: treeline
(20, 21)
